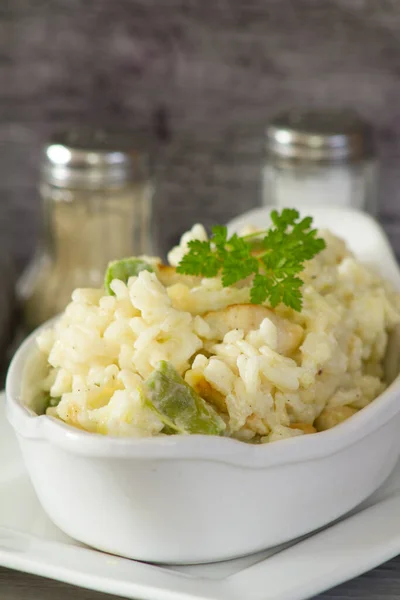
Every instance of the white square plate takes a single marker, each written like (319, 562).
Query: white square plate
(30, 542)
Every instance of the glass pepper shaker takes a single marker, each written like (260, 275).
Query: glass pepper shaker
(320, 157)
(96, 199)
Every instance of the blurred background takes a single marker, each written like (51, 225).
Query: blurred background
(197, 81)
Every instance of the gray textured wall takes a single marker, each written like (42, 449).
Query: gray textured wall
(202, 75)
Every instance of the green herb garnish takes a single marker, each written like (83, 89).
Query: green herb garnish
(281, 253)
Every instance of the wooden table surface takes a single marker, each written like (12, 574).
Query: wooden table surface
(381, 584)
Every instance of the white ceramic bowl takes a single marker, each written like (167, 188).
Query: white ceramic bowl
(196, 499)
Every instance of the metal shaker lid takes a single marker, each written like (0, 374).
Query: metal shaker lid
(315, 135)
(92, 158)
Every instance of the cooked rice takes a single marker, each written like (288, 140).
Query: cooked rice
(276, 374)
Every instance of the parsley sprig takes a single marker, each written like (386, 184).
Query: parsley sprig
(273, 257)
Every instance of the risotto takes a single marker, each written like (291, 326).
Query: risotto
(168, 353)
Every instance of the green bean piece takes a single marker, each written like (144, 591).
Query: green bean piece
(123, 269)
(46, 401)
(177, 405)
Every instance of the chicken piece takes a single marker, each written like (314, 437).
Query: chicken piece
(206, 391)
(199, 300)
(249, 317)
(332, 416)
(168, 276)
(305, 427)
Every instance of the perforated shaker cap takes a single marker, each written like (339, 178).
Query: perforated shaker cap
(315, 135)
(93, 158)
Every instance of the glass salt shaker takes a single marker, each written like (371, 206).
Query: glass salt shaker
(96, 200)
(323, 158)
